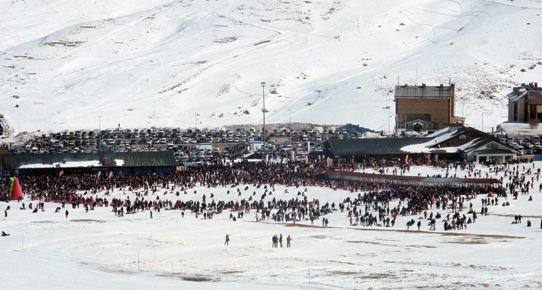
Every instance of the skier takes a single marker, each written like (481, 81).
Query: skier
(66, 213)
(280, 240)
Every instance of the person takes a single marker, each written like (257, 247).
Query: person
(419, 225)
(288, 240)
(280, 240)
(227, 242)
(151, 213)
(5, 213)
(4, 234)
(67, 213)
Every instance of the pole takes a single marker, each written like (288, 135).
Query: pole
(290, 125)
(263, 96)
(196, 118)
(389, 128)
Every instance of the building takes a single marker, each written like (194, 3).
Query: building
(453, 143)
(115, 162)
(525, 103)
(425, 107)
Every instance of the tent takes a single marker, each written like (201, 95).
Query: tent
(15, 191)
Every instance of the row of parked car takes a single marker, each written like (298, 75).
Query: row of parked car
(181, 142)
(524, 145)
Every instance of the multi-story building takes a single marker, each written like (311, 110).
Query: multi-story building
(425, 107)
(525, 103)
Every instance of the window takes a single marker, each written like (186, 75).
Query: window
(428, 116)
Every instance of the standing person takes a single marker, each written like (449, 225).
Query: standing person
(5, 213)
(419, 225)
(280, 240)
(151, 213)
(227, 242)
(66, 213)
(288, 240)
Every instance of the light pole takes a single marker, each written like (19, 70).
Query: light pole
(196, 118)
(290, 125)
(263, 95)
(388, 108)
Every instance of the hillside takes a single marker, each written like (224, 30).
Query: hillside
(80, 64)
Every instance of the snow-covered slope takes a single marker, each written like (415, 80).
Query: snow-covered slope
(139, 63)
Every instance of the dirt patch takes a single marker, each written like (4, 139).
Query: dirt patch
(379, 276)
(345, 273)
(231, 272)
(196, 279)
(87, 221)
(367, 242)
(187, 278)
(421, 246)
(319, 237)
(467, 241)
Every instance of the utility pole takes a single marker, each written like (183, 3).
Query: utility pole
(263, 95)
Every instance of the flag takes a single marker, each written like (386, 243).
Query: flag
(406, 159)
(99, 173)
(11, 181)
(110, 174)
(308, 146)
(60, 173)
(436, 157)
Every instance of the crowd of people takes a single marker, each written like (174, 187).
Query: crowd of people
(371, 207)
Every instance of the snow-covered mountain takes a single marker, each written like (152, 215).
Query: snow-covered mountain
(82, 64)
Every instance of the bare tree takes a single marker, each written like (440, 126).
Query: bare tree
(533, 123)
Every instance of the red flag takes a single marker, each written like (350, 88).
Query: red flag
(60, 173)
(110, 174)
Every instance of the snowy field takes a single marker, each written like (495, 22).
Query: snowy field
(99, 250)
(77, 64)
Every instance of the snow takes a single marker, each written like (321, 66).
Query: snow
(97, 250)
(83, 65)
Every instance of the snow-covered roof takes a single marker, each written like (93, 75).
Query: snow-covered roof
(67, 164)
